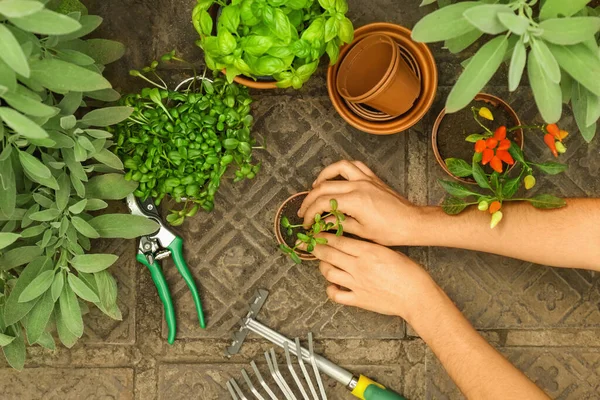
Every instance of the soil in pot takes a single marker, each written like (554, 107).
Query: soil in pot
(455, 127)
(290, 210)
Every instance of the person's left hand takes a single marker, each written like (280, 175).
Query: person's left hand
(376, 278)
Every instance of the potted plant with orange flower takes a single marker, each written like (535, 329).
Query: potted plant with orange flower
(491, 168)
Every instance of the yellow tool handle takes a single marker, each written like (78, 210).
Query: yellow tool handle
(367, 389)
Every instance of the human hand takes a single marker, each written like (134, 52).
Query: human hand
(374, 210)
(374, 277)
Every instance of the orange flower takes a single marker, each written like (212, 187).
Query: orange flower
(505, 156)
(551, 143)
(500, 133)
(496, 164)
(488, 154)
(480, 146)
(495, 206)
(504, 144)
(491, 143)
(553, 130)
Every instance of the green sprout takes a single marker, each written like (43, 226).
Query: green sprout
(308, 236)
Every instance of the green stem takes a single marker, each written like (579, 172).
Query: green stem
(524, 127)
(479, 122)
(151, 81)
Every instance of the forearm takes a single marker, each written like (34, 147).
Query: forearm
(567, 237)
(474, 365)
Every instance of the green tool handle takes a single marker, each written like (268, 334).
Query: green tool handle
(374, 392)
(176, 248)
(163, 293)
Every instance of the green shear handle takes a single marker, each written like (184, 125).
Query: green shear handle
(163, 293)
(176, 248)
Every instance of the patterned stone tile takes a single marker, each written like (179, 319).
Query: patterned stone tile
(236, 252)
(67, 384)
(569, 373)
(99, 328)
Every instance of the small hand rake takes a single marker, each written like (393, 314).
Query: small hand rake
(361, 387)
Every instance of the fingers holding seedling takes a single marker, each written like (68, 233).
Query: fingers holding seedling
(311, 237)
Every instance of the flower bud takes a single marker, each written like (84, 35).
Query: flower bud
(561, 148)
(485, 112)
(483, 205)
(529, 181)
(496, 218)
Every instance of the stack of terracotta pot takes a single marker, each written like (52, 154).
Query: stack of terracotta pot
(384, 82)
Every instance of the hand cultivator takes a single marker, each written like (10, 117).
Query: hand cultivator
(361, 387)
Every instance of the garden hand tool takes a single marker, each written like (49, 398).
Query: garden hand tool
(361, 387)
(158, 246)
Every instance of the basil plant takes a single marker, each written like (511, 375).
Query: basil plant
(556, 41)
(283, 39)
(55, 169)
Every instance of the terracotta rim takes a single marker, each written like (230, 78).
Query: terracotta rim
(486, 98)
(429, 81)
(251, 83)
(276, 228)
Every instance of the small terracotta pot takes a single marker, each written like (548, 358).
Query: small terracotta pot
(422, 56)
(277, 225)
(374, 73)
(251, 83)
(489, 99)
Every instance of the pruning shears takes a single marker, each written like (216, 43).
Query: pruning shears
(160, 245)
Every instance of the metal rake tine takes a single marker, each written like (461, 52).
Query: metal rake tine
(263, 383)
(278, 378)
(251, 386)
(305, 371)
(231, 391)
(237, 389)
(278, 372)
(315, 368)
(288, 359)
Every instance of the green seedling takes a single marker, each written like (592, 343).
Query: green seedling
(308, 237)
(180, 143)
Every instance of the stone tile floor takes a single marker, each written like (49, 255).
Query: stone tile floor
(545, 320)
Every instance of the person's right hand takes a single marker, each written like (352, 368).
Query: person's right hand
(374, 210)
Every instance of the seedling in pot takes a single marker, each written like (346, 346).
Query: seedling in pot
(495, 149)
(307, 240)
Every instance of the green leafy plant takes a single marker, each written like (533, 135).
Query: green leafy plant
(55, 168)
(557, 40)
(307, 239)
(180, 143)
(280, 38)
(493, 147)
